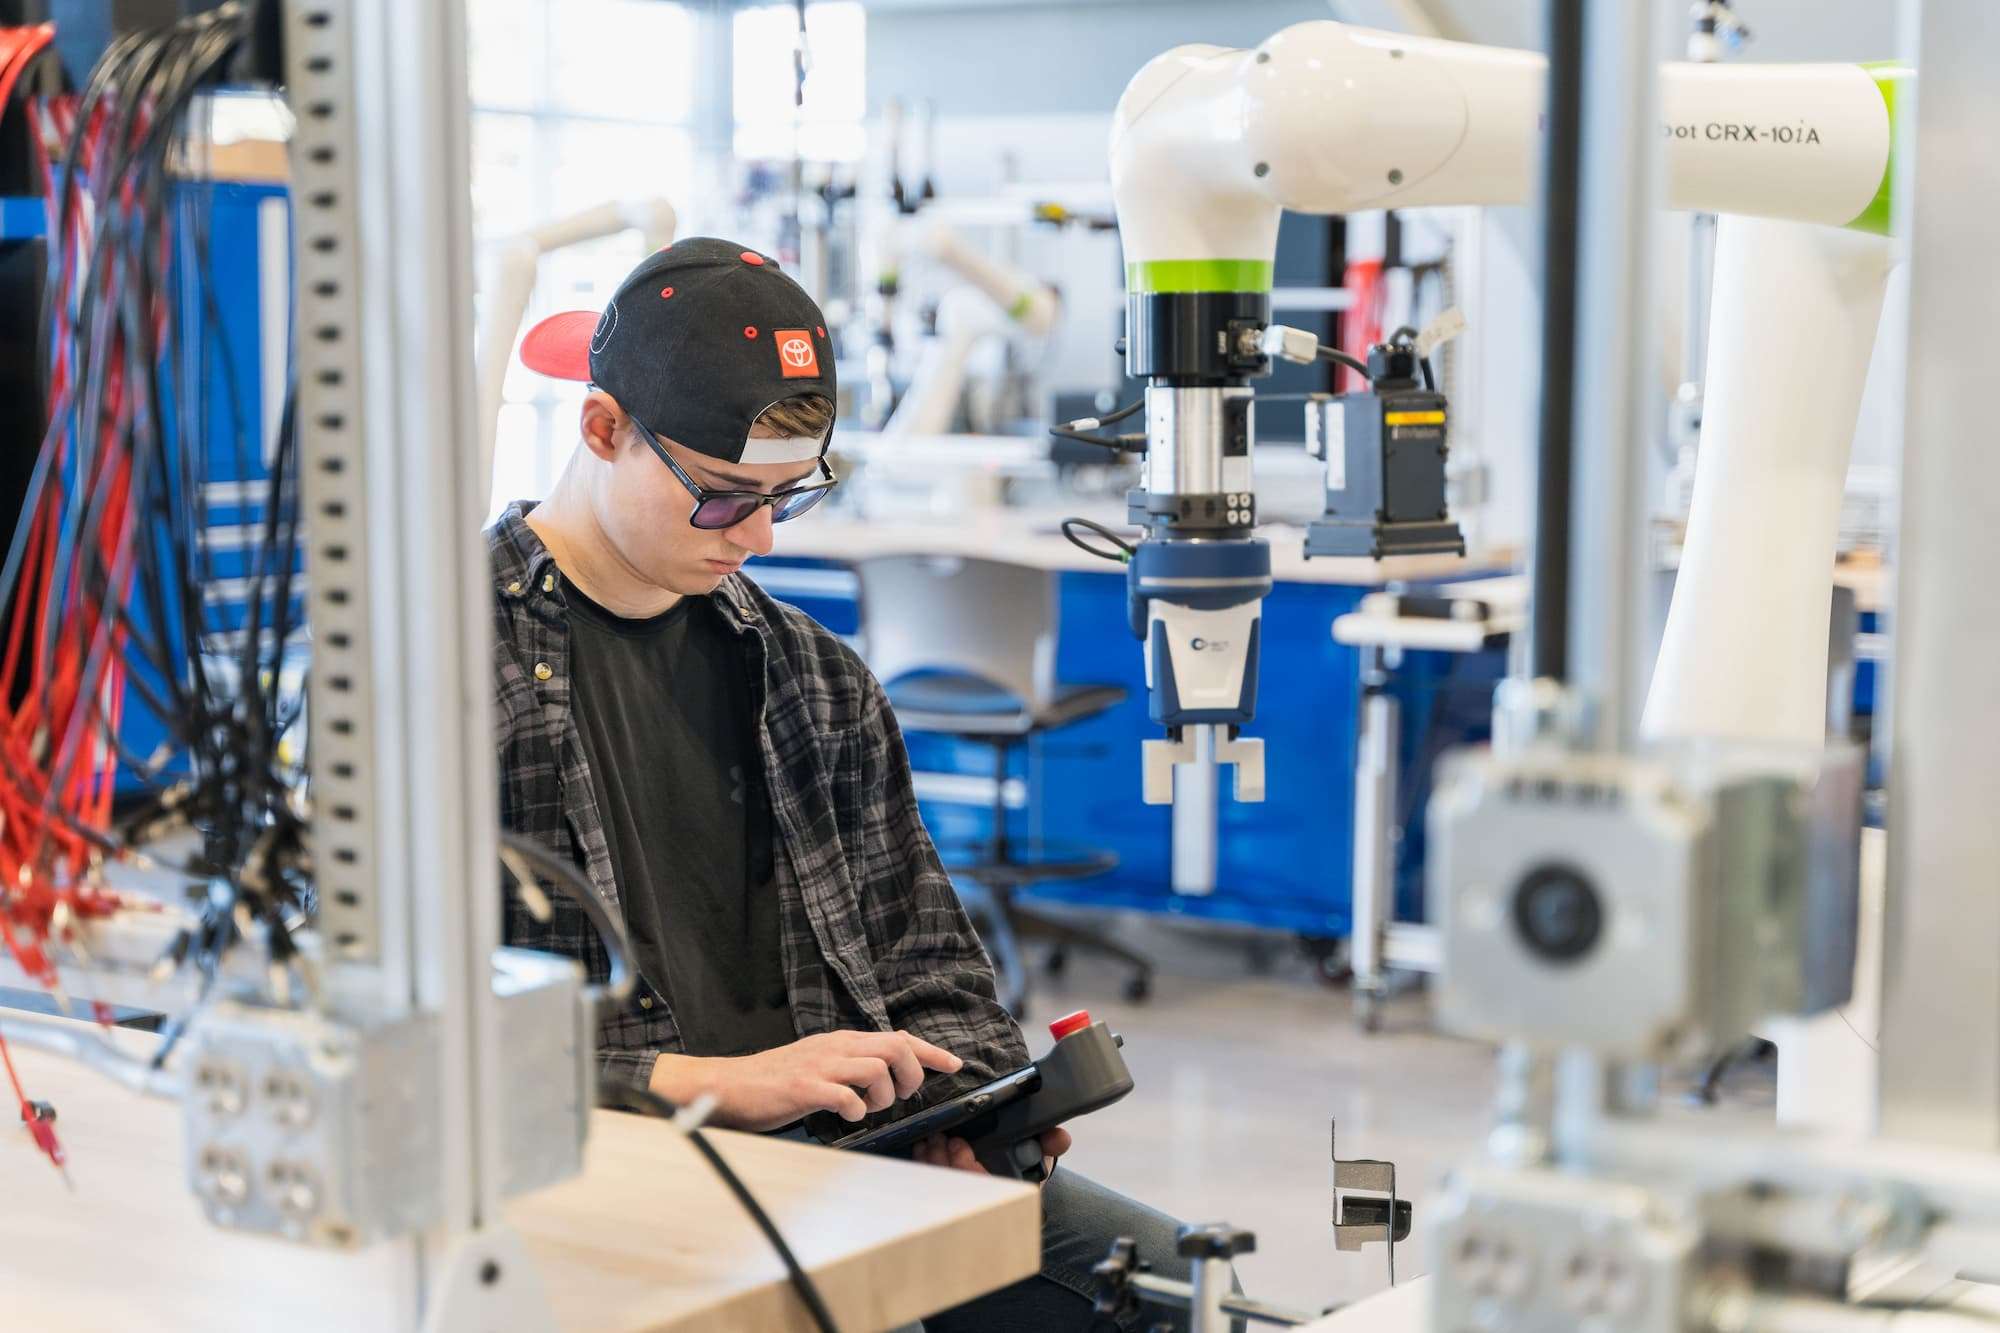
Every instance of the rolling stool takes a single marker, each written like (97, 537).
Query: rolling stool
(965, 648)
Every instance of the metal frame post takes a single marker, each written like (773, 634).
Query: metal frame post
(1940, 1035)
(1616, 400)
(1373, 909)
(403, 763)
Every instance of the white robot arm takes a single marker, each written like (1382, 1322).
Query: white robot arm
(1209, 146)
(513, 285)
(995, 300)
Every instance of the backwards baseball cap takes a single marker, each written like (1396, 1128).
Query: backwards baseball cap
(700, 340)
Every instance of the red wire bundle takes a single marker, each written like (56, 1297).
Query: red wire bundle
(56, 773)
(114, 509)
(18, 49)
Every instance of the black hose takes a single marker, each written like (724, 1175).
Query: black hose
(571, 882)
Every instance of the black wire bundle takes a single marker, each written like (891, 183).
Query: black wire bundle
(131, 307)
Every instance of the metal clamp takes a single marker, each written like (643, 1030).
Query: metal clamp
(1364, 1218)
(1203, 744)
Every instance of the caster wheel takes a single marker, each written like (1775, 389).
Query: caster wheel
(1139, 988)
(1329, 959)
(1058, 960)
(1260, 956)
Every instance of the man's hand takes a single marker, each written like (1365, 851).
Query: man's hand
(851, 1074)
(957, 1153)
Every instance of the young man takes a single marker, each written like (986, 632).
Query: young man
(728, 772)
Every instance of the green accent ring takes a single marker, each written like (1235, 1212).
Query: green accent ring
(1198, 275)
(1889, 76)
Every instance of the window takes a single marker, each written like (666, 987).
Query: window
(577, 102)
(574, 103)
(829, 125)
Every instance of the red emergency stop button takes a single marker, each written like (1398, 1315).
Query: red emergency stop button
(1069, 1023)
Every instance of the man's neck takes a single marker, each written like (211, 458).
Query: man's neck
(576, 542)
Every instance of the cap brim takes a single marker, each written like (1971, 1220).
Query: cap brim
(560, 345)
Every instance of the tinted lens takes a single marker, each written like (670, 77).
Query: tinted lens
(794, 505)
(724, 511)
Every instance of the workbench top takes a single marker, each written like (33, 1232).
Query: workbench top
(1033, 537)
(647, 1238)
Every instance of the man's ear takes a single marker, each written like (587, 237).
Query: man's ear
(598, 423)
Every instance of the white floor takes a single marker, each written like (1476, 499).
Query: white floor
(1238, 1075)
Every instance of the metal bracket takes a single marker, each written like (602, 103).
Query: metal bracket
(1377, 1215)
(489, 1284)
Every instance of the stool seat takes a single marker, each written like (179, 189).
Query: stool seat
(1027, 861)
(965, 648)
(960, 704)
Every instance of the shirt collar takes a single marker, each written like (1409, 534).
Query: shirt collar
(520, 561)
(522, 566)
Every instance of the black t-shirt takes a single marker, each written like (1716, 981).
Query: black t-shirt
(664, 707)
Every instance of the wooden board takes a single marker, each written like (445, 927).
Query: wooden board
(647, 1238)
(1404, 1308)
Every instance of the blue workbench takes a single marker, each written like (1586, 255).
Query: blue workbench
(1283, 864)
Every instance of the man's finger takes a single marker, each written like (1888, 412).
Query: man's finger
(1056, 1142)
(961, 1157)
(933, 1057)
(867, 1076)
(894, 1047)
(842, 1100)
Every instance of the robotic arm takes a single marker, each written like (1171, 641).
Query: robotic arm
(1210, 145)
(996, 300)
(514, 284)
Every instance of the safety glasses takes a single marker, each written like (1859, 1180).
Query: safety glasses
(714, 510)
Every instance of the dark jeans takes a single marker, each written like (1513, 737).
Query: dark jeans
(1080, 1219)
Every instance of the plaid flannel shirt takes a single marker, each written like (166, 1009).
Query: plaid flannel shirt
(872, 933)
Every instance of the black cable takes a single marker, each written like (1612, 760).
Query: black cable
(1132, 408)
(1124, 553)
(574, 886)
(1083, 429)
(1124, 444)
(1548, 644)
(1340, 358)
(647, 1102)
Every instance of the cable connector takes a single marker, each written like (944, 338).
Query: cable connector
(1289, 344)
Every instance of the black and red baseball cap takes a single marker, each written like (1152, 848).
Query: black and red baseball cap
(698, 342)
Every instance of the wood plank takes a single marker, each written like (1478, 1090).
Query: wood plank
(647, 1238)
(1404, 1308)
